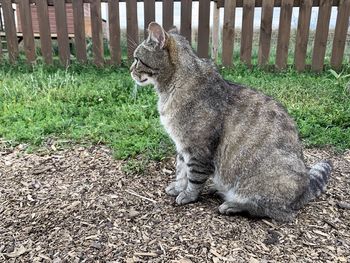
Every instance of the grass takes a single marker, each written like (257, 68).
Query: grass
(88, 104)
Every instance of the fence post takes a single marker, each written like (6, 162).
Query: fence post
(228, 33)
(114, 31)
(168, 14)
(302, 34)
(149, 14)
(320, 45)
(247, 31)
(215, 32)
(132, 27)
(341, 29)
(284, 34)
(96, 30)
(44, 28)
(186, 16)
(265, 32)
(79, 30)
(10, 29)
(27, 27)
(203, 28)
(62, 32)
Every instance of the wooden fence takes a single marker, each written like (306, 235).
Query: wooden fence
(228, 29)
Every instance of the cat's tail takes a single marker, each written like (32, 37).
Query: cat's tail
(319, 176)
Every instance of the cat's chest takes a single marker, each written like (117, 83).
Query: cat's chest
(169, 119)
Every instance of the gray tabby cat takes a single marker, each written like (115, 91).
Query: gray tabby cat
(243, 139)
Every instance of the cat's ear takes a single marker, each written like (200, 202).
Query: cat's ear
(157, 34)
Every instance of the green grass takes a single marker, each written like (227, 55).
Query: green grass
(88, 104)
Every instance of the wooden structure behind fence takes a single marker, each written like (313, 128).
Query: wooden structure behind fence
(228, 29)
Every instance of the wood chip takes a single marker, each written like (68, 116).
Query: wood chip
(17, 252)
(146, 254)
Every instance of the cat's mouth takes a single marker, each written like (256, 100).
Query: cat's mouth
(141, 80)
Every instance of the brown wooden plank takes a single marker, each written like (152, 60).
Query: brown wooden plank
(132, 27)
(203, 28)
(302, 36)
(247, 31)
(321, 35)
(149, 16)
(168, 14)
(284, 34)
(186, 19)
(340, 33)
(62, 32)
(265, 32)
(228, 33)
(97, 33)
(44, 27)
(215, 32)
(79, 30)
(27, 28)
(114, 31)
(10, 29)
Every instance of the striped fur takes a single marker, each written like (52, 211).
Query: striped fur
(243, 139)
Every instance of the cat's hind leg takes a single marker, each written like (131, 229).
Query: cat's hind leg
(231, 207)
(236, 203)
(261, 207)
(181, 181)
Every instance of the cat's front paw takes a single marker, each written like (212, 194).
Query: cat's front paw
(171, 189)
(186, 197)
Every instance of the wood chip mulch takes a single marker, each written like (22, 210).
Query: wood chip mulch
(77, 205)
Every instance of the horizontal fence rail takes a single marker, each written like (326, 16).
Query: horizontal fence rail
(77, 25)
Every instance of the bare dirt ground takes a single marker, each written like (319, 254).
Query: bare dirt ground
(76, 205)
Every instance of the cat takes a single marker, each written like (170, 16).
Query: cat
(244, 140)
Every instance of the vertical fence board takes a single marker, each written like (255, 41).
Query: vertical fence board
(228, 33)
(203, 28)
(186, 19)
(340, 33)
(149, 15)
(79, 30)
(302, 36)
(284, 33)
(247, 31)
(27, 28)
(44, 28)
(168, 14)
(114, 31)
(265, 32)
(321, 35)
(132, 27)
(10, 30)
(62, 32)
(96, 30)
(215, 32)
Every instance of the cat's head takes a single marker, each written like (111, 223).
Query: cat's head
(152, 58)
